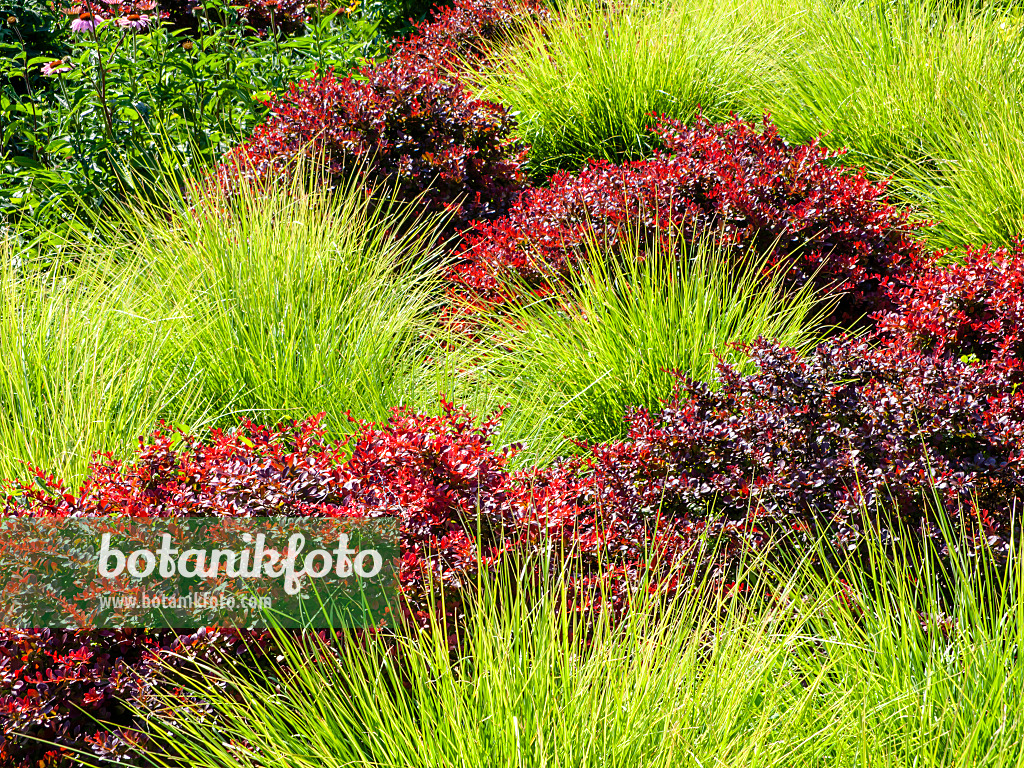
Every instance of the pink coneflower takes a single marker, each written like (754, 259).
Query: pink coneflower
(86, 22)
(54, 68)
(136, 22)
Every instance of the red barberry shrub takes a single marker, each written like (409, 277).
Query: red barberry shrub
(859, 427)
(404, 127)
(407, 124)
(446, 483)
(923, 417)
(743, 186)
(975, 307)
(461, 33)
(56, 684)
(439, 476)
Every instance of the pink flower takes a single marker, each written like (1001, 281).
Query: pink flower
(54, 68)
(86, 22)
(136, 22)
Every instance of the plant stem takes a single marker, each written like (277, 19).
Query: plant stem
(31, 93)
(101, 80)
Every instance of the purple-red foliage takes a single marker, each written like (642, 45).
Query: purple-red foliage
(406, 123)
(810, 443)
(53, 681)
(56, 684)
(461, 33)
(439, 475)
(975, 307)
(742, 186)
(927, 410)
(403, 126)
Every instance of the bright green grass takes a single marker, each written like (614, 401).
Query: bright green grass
(295, 304)
(929, 91)
(925, 90)
(82, 369)
(288, 306)
(705, 680)
(586, 84)
(282, 307)
(626, 323)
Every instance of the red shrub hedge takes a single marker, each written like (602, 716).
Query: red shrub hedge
(807, 444)
(744, 186)
(460, 33)
(971, 308)
(55, 684)
(927, 408)
(433, 473)
(402, 125)
(436, 474)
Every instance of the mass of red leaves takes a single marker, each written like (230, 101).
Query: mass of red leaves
(974, 306)
(440, 476)
(408, 125)
(740, 184)
(462, 32)
(922, 417)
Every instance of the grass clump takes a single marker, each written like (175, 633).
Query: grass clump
(267, 307)
(585, 84)
(928, 92)
(624, 323)
(296, 303)
(83, 367)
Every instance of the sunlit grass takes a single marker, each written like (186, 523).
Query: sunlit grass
(625, 324)
(868, 664)
(586, 84)
(269, 308)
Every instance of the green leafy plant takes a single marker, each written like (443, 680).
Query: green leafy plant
(125, 107)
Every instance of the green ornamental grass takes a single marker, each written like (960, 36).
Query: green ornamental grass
(626, 323)
(841, 666)
(269, 308)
